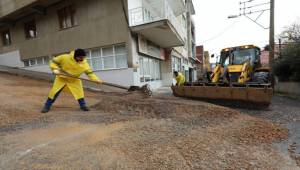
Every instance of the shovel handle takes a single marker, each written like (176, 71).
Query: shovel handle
(79, 78)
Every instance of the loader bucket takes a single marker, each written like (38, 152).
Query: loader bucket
(237, 96)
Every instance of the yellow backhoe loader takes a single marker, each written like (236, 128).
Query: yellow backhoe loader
(237, 77)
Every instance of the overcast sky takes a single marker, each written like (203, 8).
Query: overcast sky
(215, 31)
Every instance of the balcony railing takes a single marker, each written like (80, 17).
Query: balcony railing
(155, 11)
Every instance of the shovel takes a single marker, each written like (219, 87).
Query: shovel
(144, 89)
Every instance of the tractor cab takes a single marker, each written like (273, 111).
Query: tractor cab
(240, 55)
(235, 59)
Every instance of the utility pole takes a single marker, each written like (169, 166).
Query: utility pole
(280, 47)
(272, 41)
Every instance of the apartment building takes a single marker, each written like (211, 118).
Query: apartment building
(128, 42)
(200, 64)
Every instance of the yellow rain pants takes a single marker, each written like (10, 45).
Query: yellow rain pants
(67, 63)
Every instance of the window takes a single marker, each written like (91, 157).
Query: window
(6, 39)
(67, 17)
(121, 56)
(149, 69)
(30, 29)
(36, 61)
(176, 64)
(97, 60)
(39, 61)
(46, 60)
(26, 63)
(32, 62)
(106, 58)
(241, 56)
(185, 61)
(147, 16)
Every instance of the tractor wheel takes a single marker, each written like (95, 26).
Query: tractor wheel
(261, 77)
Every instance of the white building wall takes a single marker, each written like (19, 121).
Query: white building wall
(134, 4)
(40, 68)
(166, 69)
(167, 75)
(135, 61)
(122, 77)
(11, 59)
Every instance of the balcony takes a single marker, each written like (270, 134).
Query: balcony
(157, 21)
(9, 6)
(11, 10)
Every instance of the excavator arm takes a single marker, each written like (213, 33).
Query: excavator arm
(245, 74)
(215, 76)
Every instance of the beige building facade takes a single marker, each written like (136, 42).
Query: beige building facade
(128, 42)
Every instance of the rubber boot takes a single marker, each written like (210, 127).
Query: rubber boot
(47, 106)
(83, 105)
(50, 102)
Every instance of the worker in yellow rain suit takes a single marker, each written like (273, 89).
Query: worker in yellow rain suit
(73, 64)
(180, 79)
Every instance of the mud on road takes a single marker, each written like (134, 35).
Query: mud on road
(129, 131)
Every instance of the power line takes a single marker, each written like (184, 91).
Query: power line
(219, 34)
(257, 5)
(246, 10)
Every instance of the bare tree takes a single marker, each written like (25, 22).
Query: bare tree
(291, 33)
(287, 66)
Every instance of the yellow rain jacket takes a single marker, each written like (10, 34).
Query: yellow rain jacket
(180, 79)
(67, 63)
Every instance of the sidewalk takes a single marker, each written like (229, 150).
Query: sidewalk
(164, 90)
